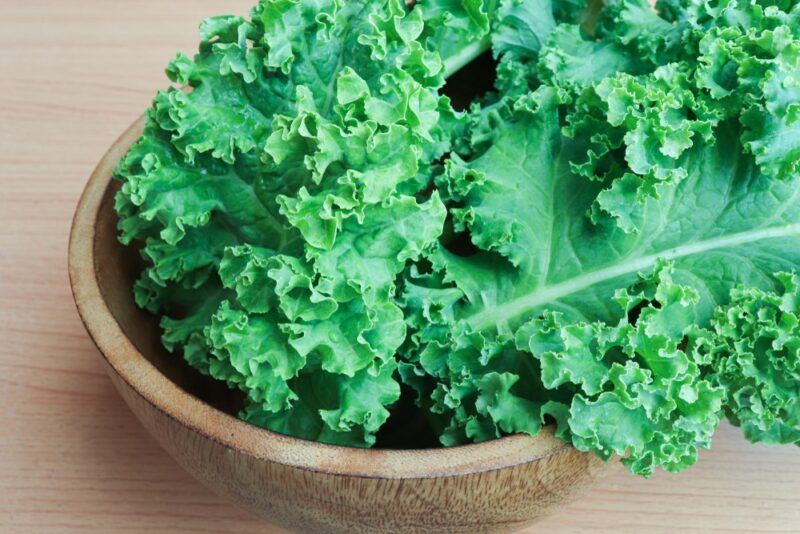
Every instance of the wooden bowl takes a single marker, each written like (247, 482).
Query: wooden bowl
(498, 485)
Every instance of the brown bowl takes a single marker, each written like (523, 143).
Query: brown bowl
(498, 485)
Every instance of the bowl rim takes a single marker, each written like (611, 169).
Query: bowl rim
(126, 361)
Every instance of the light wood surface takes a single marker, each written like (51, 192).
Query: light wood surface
(73, 75)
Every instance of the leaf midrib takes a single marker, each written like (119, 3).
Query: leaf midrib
(492, 315)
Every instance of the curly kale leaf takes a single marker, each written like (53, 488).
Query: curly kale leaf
(606, 241)
(279, 197)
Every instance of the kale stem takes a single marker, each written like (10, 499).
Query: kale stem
(456, 62)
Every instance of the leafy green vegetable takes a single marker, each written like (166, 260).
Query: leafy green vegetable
(279, 199)
(754, 353)
(607, 240)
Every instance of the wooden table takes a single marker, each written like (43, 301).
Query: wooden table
(73, 75)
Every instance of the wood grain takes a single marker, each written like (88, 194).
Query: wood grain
(73, 75)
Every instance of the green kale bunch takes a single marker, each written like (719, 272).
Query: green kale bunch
(606, 239)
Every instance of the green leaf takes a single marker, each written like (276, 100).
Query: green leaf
(523, 27)
(745, 215)
(271, 186)
(511, 413)
(569, 59)
(259, 352)
(633, 390)
(507, 189)
(332, 408)
(367, 256)
(755, 356)
(457, 29)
